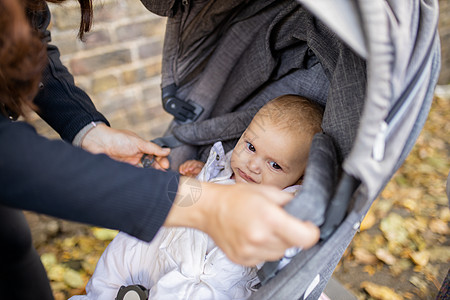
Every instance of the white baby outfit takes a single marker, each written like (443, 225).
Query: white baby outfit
(179, 263)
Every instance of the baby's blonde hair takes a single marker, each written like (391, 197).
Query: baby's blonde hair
(294, 112)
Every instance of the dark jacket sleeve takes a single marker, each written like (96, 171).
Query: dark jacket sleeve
(55, 178)
(64, 106)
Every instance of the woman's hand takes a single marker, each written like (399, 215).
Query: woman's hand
(124, 145)
(246, 221)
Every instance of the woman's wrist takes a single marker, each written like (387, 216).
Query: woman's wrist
(79, 137)
(192, 206)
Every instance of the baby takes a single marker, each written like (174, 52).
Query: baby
(274, 148)
(184, 263)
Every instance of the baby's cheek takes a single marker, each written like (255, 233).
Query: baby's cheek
(280, 181)
(233, 161)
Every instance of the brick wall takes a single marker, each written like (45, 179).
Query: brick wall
(119, 65)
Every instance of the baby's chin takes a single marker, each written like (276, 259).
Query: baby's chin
(240, 179)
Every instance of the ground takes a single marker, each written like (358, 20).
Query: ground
(402, 251)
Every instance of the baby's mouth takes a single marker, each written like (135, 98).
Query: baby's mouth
(245, 177)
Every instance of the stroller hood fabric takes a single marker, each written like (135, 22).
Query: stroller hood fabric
(231, 57)
(372, 64)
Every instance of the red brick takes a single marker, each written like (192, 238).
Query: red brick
(83, 66)
(138, 30)
(64, 17)
(96, 38)
(151, 49)
(104, 83)
(141, 74)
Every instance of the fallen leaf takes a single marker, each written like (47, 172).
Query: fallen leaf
(385, 256)
(369, 269)
(380, 291)
(440, 254)
(439, 226)
(58, 295)
(383, 207)
(363, 256)
(49, 260)
(418, 242)
(393, 229)
(69, 243)
(73, 279)
(104, 234)
(419, 283)
(89, 263)
(87, 244)
(368, 221)
(408, 295)
(401, 266)
(409, 204)
(420, 258)
(444, 214)
(56, 273)
(58, 286)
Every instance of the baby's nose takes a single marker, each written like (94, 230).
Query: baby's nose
(254, 165)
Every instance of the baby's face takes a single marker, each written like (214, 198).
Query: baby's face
(267, 154)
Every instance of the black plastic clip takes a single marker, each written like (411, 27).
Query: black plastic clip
(135, 291)
(183, 111)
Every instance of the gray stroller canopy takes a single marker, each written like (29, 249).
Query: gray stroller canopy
(372, 64)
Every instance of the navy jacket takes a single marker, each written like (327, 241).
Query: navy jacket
(64, 106)
(55, 178)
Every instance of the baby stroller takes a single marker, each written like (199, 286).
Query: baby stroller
(372, 64)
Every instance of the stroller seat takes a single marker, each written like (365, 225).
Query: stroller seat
(372, 64)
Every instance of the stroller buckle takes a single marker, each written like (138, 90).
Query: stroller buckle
(183, 111)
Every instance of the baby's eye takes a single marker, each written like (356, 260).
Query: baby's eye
(275, 165)
(250, 147)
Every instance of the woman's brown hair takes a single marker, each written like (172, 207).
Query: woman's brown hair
(22, 58)
(85, 9)
(22, 54)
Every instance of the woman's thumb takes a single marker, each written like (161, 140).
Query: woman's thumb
(154, 149)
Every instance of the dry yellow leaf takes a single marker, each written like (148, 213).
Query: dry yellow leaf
(86, 244)
(73, 279)
(58, 295)
(440, 254)
(385, 256)
(444, 214)
(368, 221)
(104, 234)
(363, 256)
(56, 273)
(420, 258)
(419, 283)
(439, 226)
(393, 229)
(409, 204)
(408, 295)
(380, 292)
(48, 260)
(400, 266)
(369, 269)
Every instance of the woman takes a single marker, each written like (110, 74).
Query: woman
(55, 178)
